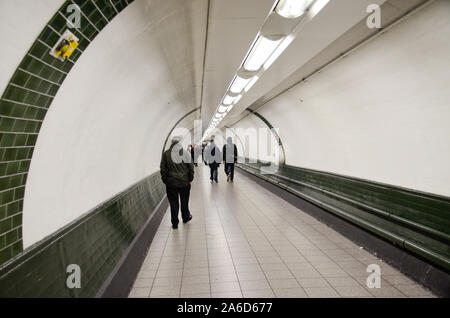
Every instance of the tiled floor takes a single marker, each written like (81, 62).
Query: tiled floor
(244, 241)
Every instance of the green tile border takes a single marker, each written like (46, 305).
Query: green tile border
(96, 242)
(25, 102)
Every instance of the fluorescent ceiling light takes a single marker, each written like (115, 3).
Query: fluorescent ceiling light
(280, 49)
(223, 109)
(292, 9)
(251, 83)
(260, 52)
(228, 100)
(238, 98)
(317, 7)
(238, 84)
(229, 108)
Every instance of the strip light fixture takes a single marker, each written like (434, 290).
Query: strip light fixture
(237, 99)
(228, 100)
(261, 51)
(278, 51)
(251, 83)
(266, 49)
(238, 84)
(292, 9)
(223, 109)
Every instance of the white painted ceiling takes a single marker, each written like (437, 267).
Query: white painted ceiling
(391, 11)
(234, 24)
(228, 33)
(232, 27)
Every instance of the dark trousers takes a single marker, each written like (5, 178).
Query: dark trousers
(213, 171)
(172, 196)
(229, 169)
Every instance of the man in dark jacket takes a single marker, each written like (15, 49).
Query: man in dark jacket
(230, 156)
(177, 173)
(213, 158)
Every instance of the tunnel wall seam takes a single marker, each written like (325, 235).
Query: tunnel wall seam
(96, 242)
(25, 102)
(274, 132)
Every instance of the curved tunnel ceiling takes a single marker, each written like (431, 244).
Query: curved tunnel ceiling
(137, 57)
(127, 86)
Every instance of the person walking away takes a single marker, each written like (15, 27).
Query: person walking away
(203, 153)
(194, 160)
(177, 173)
(230, 155)
(213, 158)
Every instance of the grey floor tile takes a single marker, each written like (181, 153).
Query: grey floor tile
(173, 272)
(227, 294)
(290, 293)
(254, 285)
(158, 291)
(278, 274)
(254, 275)
(283, 283)
(204, 295)
(143, 282)
(167, 281)
(225, 287)
(342, 281)
(198, 279)
(196, 271)
(189, 289)
(321, 292)
(261, 293)
(223, 277)
(146, 274)
(139, 292)
(313, 282)
(352, 291)
(260, 245)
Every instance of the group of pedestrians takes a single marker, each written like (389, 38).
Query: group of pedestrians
(177, 172)
(213, 157)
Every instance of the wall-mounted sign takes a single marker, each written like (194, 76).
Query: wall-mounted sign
(65, 46)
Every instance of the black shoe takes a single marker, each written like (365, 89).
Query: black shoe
(175, 227)
(190, 218)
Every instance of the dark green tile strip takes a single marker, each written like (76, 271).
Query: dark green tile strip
(415, 221)
(95, 242)
(25, 102)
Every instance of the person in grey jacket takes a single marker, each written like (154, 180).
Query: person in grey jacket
(230, 157)
(213, 158)
(177, 173)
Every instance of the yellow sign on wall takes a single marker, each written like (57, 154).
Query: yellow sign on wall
(65, 46)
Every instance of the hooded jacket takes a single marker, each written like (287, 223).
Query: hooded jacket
(178, 173)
